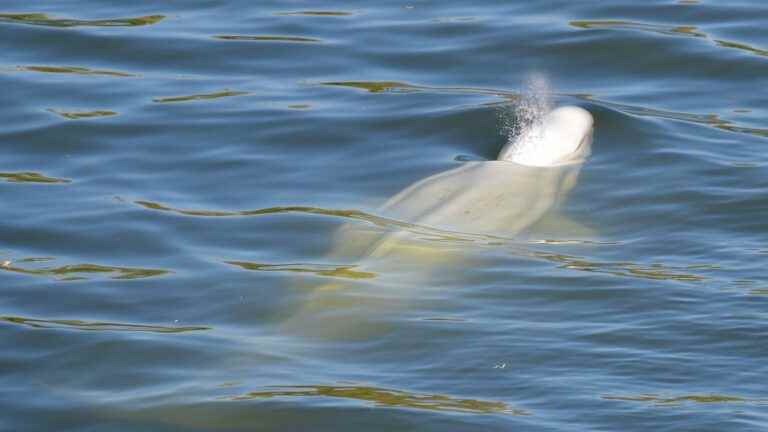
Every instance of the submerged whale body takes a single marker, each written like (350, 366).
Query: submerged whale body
(503, 197)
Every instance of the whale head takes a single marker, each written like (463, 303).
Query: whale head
(563, 136)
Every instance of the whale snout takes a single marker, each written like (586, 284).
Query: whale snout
(562, 136)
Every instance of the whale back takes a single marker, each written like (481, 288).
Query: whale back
(563, 136)
(492, 197)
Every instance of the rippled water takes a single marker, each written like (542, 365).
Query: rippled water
(175, 174)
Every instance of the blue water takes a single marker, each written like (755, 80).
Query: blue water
(174, 176)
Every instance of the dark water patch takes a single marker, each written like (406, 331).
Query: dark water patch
(73, 70)
(41, 19)
(267, 38)
(31, 177)
(712, 120)
(80, 271)
(319, 13)
(80, 115)
(69, 324)
(343, 271)
(379, 397)
(680, 400)
(468, 158)
(652, 112)
(199, 97)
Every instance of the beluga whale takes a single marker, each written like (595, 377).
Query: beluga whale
(530, 178)
(432, 223)
(504, 196)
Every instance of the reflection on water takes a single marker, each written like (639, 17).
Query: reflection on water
(80, 271)
(705, 119)
(624, 269)
(457, 19)
(352, 214)
(346, 272)
(203, 96)
(266, 38)
(314, 13)
(375, 86)
(95, 326)
(740, 129)
(742, 46)
(679, 400)
(387, 398)
(435, 238)
(30, 177)
(72, 70)
(667, 30)
(401, 87)
(78, 115)
(628, 25)
(44, 20)
(425, 233)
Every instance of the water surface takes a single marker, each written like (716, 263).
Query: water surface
(174, 174)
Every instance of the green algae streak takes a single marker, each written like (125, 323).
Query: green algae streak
(72, 70)
(199, 97)
(345, 272)
(73, 324)
(79, 115)
(41, 19)
(387, 398)
(266, 38)
(80, 271)
(31, 177)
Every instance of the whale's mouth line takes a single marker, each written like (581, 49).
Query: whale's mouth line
(577, 161)
(581, 144)
(583, 141)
